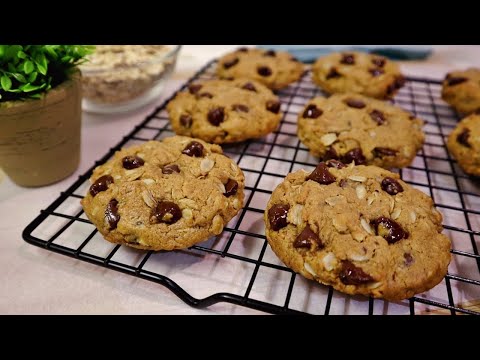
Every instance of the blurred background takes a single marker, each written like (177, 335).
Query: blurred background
(441, 58)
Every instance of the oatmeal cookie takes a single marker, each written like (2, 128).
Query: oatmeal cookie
(359, 229)
(352, 127)
(464, 144)
(461, 89)
(275, 69)
(357, 72)
(221, 111)
(164, 195)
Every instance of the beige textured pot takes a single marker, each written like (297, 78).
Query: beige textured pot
(40, 139)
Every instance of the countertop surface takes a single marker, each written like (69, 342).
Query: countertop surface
(36, 281)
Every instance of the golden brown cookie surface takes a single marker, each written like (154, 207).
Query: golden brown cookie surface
(352, 127)
(464, 144)
(358, 228)
(221, 111)
(461, 89)
(357, 72)
(164, 195)
(274, 69)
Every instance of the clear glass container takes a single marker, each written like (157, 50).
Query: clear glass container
(120, 78)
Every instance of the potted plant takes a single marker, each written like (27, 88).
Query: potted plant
(40, 111)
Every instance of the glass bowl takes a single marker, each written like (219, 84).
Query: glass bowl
(119, 78)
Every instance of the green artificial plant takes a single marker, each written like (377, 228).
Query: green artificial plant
(29, 71)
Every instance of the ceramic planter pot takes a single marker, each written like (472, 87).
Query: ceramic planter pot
(40, 139)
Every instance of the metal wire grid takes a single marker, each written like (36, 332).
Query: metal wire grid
(239, 263)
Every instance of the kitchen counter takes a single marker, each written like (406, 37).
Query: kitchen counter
(36, 281)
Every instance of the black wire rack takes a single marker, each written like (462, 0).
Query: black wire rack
(238, 264)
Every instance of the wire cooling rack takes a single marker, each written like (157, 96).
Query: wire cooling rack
(238, 266)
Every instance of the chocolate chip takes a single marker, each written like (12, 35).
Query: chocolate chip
(132, 162)
(391, 186)
(231, 188)
(240, 108)
(312, 112)
(399, 82)
(273, 106)
(477, 112)
(377, 116)
(242, 49)
(170, 169)
(391, 88)
(194, 88)
(354, 155)
(166, 212)
(101, 184)
(335, 164)
(395, 85)
(348, 59)
(331, 153)
(216, 116)
(321, 175)
(354, 103)
(206, 95)
(333, 73)
(111, 214)
(249, 86)
(376, 72)
(306, 238)
(229, 63)
(194, 148)
(264, 71)
(383, 151)
(353, 275)
(380, 62)
(186, 120)
(389, 229)
(408, 259)
(462, 138)
(277, 216)
(270, 53)
(456, 80)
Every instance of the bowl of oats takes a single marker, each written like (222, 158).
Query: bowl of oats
(120, 78)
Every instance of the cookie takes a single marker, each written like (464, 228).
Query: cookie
(164, 195)
(275, 69)
(461, 89)
(464, 144)
(221, 111)
(359, 229)
(359, 73)
(352, 127)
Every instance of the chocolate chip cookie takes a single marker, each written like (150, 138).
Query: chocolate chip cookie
(221, 111)
(464, 144)
(359, 73)
(164, 195)
(461, 89)
(358, 228)
(352, 127)
(275, 69)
